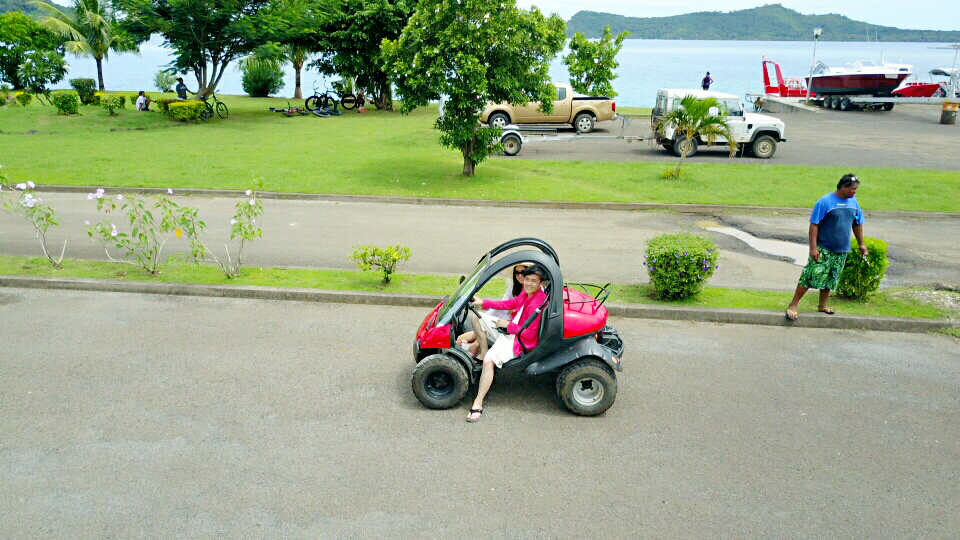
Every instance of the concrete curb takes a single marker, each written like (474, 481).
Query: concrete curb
(730, 316)
(429, 201)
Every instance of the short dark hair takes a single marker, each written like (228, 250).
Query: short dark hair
(537, 269)
(847, 180)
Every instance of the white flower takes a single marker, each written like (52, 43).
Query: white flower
(233, 222)
(90, 196)
(99, 195)
(248, 192)
(99, 191)
(21, 186)
(87, 221)
(252, 202)
(119, 197)
(169, 191)
(113, 232)
(31, 184)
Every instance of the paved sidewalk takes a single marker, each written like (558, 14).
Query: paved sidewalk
(446, 237)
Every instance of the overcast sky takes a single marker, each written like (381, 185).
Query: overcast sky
(922, 15)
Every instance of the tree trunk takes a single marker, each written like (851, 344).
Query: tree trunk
(468, 164)
(100, 73)
(297, 93)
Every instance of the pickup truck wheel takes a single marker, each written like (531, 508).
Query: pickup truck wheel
(511, 144)
(764, 147)
(668, 147)
(688, 145)
(498, 120)
(583, 122)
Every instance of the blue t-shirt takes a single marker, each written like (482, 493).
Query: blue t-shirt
(835, 218)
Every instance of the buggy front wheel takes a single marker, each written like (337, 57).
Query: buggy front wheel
(440, 381)
(587, 387)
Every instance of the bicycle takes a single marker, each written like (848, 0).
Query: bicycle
(326, 100)
(218, 106)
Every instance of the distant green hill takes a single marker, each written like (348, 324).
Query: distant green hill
(772, 22)
(24, 6)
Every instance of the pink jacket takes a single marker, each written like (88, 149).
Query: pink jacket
(529, 305)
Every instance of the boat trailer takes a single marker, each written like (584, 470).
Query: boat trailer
(514, 137)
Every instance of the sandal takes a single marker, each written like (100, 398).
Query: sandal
(473, 412)
(826, 310)
(791, 315)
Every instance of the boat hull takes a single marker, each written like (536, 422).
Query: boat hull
(877, 85)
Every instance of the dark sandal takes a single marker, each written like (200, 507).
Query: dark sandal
(475, 411)
(826, 310)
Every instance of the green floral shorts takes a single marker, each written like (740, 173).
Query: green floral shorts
(825, 273)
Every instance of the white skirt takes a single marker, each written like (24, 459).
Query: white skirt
(502, 350)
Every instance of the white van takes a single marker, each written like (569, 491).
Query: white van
(756, 133)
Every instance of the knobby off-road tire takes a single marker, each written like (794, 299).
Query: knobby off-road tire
(584, 123)
(498, 120)
(511, 145)
(587, 387)
(440, 381)
(764, 147)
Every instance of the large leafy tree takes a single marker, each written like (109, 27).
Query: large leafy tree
(348, 40)
(207, 35)
(592, 63)
(696, 117)
(92, 30)
(42, 68)
(19, 37)
(473, 52)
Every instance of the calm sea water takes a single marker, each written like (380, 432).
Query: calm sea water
(645, 65)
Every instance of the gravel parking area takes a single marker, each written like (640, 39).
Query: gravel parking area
(908, 137)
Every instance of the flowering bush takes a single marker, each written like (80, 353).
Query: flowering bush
(680, 264)
(143, 243)
(67, 102)
(31, 208)
(386, 258)
(242, 227)
(862, 275)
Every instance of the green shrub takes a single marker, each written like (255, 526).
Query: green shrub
(23, 98)
(862, 275)
(164, 104)
(164, 80)
(261, 78)
(386, 258)
(5, 96)
(111, 103)
(85, 89)
(186, 110)
(680, 264)
(67, 102)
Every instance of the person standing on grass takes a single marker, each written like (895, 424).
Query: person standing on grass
(834, 215)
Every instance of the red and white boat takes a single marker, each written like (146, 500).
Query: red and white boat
(864, 77)
(794, 87)
(931, 88)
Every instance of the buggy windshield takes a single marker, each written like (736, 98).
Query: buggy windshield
(463, 293)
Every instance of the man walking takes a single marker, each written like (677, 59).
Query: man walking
(834, 215)
(707, 81)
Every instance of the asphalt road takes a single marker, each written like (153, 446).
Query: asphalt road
(319, 234)
(908, 137)
(152, 416)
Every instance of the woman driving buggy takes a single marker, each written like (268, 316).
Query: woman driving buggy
(507, 343)
(488, 320)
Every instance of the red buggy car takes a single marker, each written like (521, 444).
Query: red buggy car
(575, 341)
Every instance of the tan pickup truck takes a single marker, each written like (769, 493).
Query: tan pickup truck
(583, 112)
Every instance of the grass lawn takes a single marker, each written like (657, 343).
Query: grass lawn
(887, 302)
(381, 153)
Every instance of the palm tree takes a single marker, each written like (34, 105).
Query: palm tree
(92, 30)
(297, 55)
(696, 118)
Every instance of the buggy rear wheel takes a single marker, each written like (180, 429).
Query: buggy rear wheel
(440, 381)
(587, 387)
